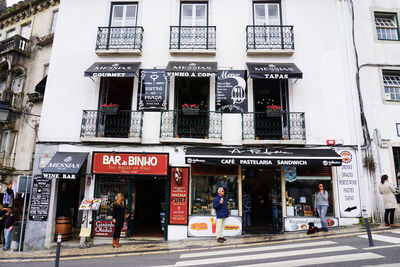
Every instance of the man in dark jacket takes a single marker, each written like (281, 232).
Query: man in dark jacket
(8, 227)
(221, 207)
(3, 212)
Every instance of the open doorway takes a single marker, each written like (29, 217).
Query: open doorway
(270, 95)
(192, 92)
(116, 123)
(262, 212)
(149, 205)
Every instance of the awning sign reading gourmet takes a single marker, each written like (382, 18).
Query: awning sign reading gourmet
(112, 69)
(126, 163)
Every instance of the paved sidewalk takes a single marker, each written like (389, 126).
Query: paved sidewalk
(132, 246)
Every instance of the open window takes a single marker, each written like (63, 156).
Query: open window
(115, 106)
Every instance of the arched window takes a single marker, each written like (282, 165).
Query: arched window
(16, 85)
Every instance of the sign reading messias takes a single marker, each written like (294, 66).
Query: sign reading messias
(191, 69)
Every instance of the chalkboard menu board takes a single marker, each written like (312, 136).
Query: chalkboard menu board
(231, 94)
(153, 92)
(40, 199)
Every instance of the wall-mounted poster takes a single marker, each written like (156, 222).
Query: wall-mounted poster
(231, 92)
(153, 90)
(207, 226)
(179, 196)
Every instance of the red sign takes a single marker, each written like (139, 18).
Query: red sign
(179, 196)
(106, 228)
(126, 163)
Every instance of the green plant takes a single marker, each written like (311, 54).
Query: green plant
(369, 163)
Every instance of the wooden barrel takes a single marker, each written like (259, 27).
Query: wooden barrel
(63, 226)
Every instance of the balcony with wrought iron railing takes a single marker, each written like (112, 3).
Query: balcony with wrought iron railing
(118, 126)
(192, 39)
(263, 39)
(119, 40)
(273, 127)
(191, 127)
(16, 43)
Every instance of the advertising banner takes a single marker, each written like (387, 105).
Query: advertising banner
(348, 185)
(206, 226)
(231, 94)
(153, 93)
(179, 196)
(301, 223)
(40, 199)
(106, 228)
(127, 163)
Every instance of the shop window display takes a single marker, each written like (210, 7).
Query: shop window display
(108, 189)
(300, 196)
(204, 189)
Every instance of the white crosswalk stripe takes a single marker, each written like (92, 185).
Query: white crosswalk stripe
(257, 249)
(319, 260)
(263, 256)
(384, 238)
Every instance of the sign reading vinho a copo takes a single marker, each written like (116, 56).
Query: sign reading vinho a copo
(127, 163)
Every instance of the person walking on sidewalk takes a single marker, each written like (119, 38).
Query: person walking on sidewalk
(221, 207)
(389, 200)
(8, 227)
(119, 216)
(321, 205)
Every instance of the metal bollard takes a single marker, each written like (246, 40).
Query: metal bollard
(58, 250)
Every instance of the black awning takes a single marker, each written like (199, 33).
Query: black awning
(41, 86)
(274, 71)
(112, 69)
(65, 165)
(262, 156)
(191, 69)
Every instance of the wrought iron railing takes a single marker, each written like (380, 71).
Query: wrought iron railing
(193, 37)
(16, 43)
(274, 125)
(269, 37)
(121, 124)
(181, 124)
(121, 38)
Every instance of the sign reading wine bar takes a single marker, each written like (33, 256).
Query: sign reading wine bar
(179, 196)
(128, 163)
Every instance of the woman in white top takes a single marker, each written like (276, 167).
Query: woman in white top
(389, 200)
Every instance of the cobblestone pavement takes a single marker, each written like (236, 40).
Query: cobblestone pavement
(102, 247)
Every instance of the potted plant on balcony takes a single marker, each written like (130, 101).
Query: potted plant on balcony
(274, 111)
(110, 109)
(192, 109)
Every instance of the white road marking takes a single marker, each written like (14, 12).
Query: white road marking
(264, 255)
(256, 249)
(394, 240)
(382, 247)
(319, 260)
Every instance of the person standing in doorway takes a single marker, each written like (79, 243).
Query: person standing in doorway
(119, 216)
(221, 207)
(389, 200)
(321, 205)
(8, 227)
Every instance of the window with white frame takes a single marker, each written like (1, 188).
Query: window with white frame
(10, 33)
(54, 21)
(6, 140)
(26, 30)
(123, 15)
(16, 85)
(391, 82)
(387, 27)
(266, 13)
(194, 14)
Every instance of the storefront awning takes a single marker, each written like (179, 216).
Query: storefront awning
(191, 69)
(262, 156)
(274, 71)
(65, 165)
(41, 86)
(112, 69)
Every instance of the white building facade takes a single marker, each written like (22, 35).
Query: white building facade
(165, 101)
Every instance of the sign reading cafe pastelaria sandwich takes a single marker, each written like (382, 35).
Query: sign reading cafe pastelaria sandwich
(153, 92)
(231, 95)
